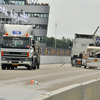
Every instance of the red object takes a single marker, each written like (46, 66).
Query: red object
(88, 61)
(27, 54)
(78, 62)
(6, 34)
(32, 82)
(27, 46)
(2, 53)
(26, 35)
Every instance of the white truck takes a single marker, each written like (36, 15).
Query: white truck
(18, 48)
(80, 43)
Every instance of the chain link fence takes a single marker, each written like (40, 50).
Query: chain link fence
(55, 51)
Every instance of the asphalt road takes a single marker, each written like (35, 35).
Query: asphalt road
(16, 84)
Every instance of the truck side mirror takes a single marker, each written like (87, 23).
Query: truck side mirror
(70, 45)
(33, 46)
(1, 44)
(33, 41)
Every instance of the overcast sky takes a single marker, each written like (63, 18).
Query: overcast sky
(72, 16)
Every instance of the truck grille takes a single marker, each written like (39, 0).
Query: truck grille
(14, 59)
(15, 54)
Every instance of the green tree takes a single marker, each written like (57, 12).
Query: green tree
(50, 41)
(60, 43)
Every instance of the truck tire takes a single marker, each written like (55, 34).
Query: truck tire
(12, 67)
(73, 62)
(84, 67)
(3, 67)
(38, 66)
(35, 64)
(8, 67)
(30, 67)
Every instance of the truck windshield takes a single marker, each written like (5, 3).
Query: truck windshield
(17, 42)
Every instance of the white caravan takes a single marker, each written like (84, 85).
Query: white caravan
(93, 57)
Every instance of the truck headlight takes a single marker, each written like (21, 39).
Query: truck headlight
(6, 52)
(2, 58)
(24, 53)
(26, 59)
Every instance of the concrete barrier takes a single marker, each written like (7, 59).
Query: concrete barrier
(73, 92)
(85, 91)
(92, 90)
(54, 59)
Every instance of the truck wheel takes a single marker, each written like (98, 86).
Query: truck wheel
(3, 67)
(12, 67)
(30, 67)
(73, 62)
(38, 66)
(35, 65)
(84, 67)
(8, 67)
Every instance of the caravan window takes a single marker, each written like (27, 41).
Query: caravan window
(84, 36)
(91, 45)
(94, 54)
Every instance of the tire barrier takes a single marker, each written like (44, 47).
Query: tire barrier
(55, 51)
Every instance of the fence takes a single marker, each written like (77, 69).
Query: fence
(55, 51)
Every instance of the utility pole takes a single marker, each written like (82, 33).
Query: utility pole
(55, 33)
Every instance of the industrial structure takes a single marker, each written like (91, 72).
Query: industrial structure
(38, 16)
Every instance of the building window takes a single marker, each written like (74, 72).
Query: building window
(14, 2)
(32, 14)
(36, 26)
(37, 15)
(40, 39)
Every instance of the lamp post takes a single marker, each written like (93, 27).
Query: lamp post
(55, 33)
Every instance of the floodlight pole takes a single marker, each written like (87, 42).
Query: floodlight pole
(55, 33)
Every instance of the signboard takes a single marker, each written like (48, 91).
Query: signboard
(97, 40)
(16, 32)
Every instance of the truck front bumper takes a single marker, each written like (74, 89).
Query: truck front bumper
(21, 62)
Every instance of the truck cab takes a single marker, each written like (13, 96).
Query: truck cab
(18, 47)
(80, 43)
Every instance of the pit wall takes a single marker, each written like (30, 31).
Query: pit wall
(54, 59)
(85, 91)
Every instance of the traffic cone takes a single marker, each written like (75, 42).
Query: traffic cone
(32, 81)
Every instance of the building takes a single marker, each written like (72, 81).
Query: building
(38, 13)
